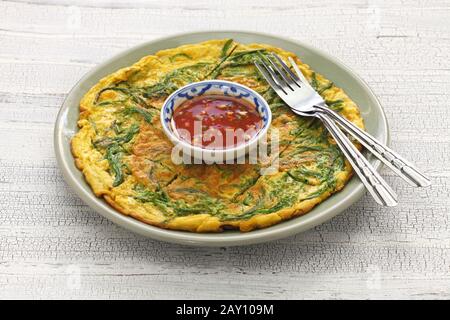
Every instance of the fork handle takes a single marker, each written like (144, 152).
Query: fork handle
(375, 184)
(403, 168)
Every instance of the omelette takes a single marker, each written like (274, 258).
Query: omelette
(125, 156)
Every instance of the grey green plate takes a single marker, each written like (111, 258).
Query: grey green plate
(331, 68)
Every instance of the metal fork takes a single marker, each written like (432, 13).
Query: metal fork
(389, 157)
(290, 89)
(402, 167)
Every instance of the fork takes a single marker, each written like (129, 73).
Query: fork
(402, 167)
(292, 91)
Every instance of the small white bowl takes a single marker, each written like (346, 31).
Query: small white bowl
(221, 88)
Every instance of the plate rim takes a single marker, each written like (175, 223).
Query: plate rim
(226, 238)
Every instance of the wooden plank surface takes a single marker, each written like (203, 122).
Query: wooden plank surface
(54, 246)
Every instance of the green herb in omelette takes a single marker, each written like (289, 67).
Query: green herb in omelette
(180, 55)
(136, 110)
(114, 155)
(226, 47)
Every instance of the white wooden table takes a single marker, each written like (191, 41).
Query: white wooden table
(53, 246)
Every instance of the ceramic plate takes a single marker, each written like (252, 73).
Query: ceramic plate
(321, 62)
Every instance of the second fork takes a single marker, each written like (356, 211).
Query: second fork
(288, 91)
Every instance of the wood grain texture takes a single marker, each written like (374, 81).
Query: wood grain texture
(53, 246)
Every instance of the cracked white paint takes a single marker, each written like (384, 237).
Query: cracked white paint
(54, 246)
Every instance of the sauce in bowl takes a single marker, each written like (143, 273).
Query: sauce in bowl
(216, 121)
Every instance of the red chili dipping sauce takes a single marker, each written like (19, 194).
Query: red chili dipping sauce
(216, 122)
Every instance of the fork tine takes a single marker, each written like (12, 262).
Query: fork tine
(294, 77)
(271, 77)
(284, 71)
(297, 71)
(281, 82)
(276, 69)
